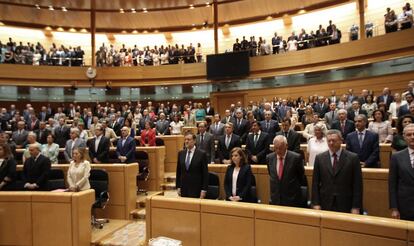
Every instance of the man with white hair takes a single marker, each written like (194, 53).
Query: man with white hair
(72, 143)
(286, 173)
(36, 170)
(309, 130)
(343, 124)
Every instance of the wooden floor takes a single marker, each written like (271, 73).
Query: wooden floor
(99, 235)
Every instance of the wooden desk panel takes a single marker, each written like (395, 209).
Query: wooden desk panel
(156, 157)
(16, 222)
(173, 144)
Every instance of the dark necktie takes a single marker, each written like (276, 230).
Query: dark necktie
(335, 161)
(256, 138)
(187, 160)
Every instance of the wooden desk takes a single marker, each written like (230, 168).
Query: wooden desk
(46, 218)
(193, 129)
(212, 222)
(122, 188)
(375, 185)
(173, 144)
(156, 156)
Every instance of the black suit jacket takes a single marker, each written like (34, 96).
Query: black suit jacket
(369, 153)
(62, 135)
(321, 110)
(349, 127)
(42, 135)
(241, 130)
(103, 149)
(195, 179)
(287, 191)
(223, 152)
(351, 113)
(404, 109)
(8, 169)
(272, 129)
(293, 140)
(381, 98)
(344, 185)
(243, 184)
(37, 171)
(401, 184)
(261, 149)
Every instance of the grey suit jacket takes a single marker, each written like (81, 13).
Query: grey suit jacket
(207, 145)
(68, 148)
(329, 118)
(20, 139)
(401, 184)
(217, 131)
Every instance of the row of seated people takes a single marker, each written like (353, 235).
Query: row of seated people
(404, 20)
(336, 183)
(31, 54)
(148, 56)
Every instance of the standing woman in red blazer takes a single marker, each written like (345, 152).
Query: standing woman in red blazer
(148, 134)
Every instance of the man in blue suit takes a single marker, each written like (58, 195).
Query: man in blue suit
(125, 149)
(364, 143)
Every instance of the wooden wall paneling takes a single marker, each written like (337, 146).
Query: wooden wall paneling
(173, 144)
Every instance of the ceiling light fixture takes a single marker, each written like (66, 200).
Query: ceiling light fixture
(134, 31)
(51, 7)
(191, 6)
(48, 28)
(60, 29)
(37, 6)
(72, 30)
(145, 10)
(64, 9)
(121, 11)
(83, 30)
(133, 10)
(1, 23)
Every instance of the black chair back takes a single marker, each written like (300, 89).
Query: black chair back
(17, 183)
(159, 142)
(56, 179)
(142, 158)
(213, 190)
(99, 181)
(253, 191)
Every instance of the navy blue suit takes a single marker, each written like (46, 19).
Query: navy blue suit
(128, 150)
(369, 153)
(272, 129)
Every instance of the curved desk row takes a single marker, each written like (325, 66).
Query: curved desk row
(122, 188)
(46, 218)
(375, 185)
(210, 222)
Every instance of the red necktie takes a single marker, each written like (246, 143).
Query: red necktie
(280, 174)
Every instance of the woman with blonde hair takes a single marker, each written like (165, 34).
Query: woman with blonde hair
(79, 170)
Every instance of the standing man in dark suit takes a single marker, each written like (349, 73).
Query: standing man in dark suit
(321, 107)
(386, 97)
(99, 147)
(36, 170)
(331, 116)
(293, 138)
(269, 125)
(257, 145)
(364, 143)
(356, 110)
(42, 133)
(241, 126)
(226, 143)
(209, 109)
(343, 124)
(192, 170)
(401, 179)
(227, 117)
(20, 135)
(405, 109)
(337, 178)
(286, 173)
(62, 133)
(125, 148)
(205, 142)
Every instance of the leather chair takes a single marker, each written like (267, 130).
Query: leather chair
(144, 172)
(56, 179)
(159, 142)
(213, 190)
(99, 181)
(253, 191)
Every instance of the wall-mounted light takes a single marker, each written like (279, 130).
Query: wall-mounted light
(51, 8)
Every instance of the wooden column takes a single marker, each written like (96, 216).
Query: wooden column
(93, 29)
(361, 8)
(215, 15)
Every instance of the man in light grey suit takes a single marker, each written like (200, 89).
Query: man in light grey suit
(286, 173)
(205, 141)
(331, 116)
(162, 126)
(401, 179)
(217, 127)
(337, 178)
(73, 142)
(20, 135)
